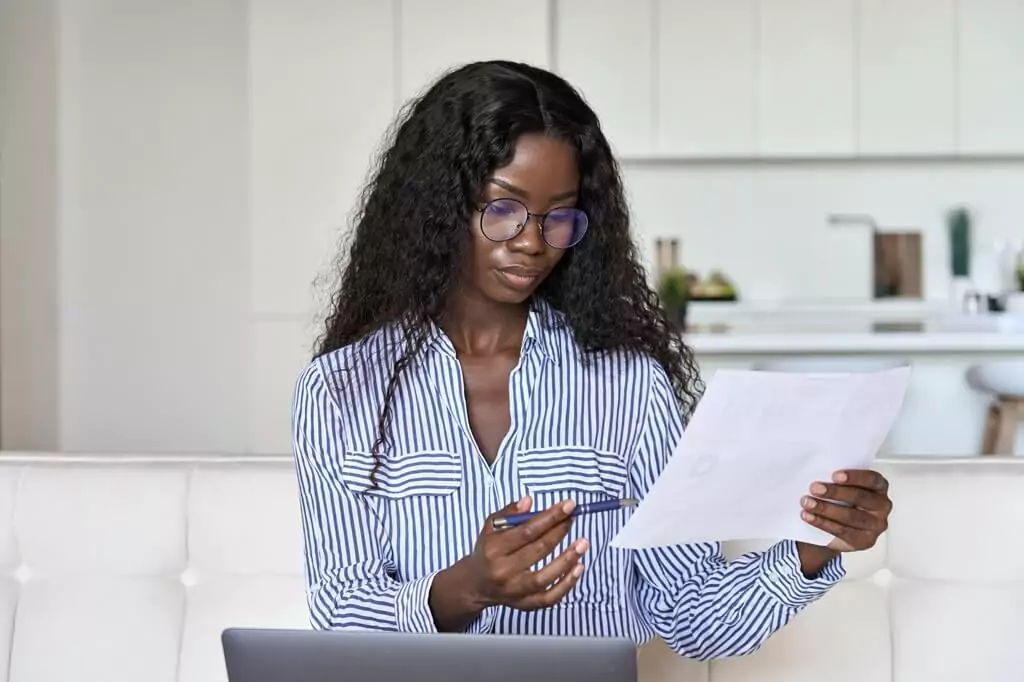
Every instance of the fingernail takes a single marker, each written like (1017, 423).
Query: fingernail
(578, 571)
(818, 488)
(807, 516)
(581, 546)
(810, 502)
(840, 477)
(568, 506)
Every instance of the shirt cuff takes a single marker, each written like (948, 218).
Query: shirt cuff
(413, 614)
(782, 577)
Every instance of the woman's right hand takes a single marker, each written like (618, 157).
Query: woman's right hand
(500, 569)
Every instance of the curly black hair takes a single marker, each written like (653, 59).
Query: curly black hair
(411, 231)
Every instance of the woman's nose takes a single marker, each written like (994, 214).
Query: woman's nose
(530, 239)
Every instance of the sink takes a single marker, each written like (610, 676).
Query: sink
(896, 327)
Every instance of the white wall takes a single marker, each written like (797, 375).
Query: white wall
(29, 203)
(765, 223)
(175, 177)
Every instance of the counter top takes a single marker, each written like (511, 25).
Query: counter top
(788, 333)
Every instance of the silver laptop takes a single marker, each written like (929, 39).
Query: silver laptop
(259, 655)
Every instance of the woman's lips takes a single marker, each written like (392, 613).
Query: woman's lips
(520, 278)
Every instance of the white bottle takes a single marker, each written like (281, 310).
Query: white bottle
(1008, 256)
(987, 269)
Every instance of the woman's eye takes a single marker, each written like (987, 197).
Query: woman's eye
(501, 209)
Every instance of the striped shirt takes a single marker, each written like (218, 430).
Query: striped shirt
(587, 429)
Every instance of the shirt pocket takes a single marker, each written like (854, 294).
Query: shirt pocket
(415, 496)
(583, 474)
(401, 476)
(554, 471)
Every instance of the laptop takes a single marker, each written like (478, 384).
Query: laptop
(268, 655)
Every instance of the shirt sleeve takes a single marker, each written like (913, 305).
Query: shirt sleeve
(350, 570)
(701, 605)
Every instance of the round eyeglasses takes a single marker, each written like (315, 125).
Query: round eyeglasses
(503, 219)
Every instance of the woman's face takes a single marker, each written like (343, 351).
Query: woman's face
(542, 176)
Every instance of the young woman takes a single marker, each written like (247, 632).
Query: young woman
(494, 347)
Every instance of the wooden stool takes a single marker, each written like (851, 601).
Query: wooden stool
(1004, 381)
(1004, 415)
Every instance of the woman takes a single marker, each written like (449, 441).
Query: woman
(494, 347)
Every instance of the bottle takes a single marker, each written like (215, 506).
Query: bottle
(959, 226)
(1007, 258)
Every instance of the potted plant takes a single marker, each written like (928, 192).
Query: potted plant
(674, 291)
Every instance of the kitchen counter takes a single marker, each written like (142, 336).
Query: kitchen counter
(818, 340)
(855, 332)
(941, 415)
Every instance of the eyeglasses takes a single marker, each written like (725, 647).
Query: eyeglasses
(503, 219)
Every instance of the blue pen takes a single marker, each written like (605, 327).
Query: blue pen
(501, 523)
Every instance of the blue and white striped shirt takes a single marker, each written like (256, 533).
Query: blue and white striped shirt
(589, 431)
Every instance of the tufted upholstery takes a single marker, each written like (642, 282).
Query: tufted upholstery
(123, 569)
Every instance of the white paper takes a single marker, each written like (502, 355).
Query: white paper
(752, 448)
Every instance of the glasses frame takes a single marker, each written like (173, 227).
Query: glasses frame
(541, 218)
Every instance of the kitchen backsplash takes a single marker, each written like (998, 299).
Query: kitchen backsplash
(765, 224)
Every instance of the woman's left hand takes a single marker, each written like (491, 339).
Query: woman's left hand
(861, 518)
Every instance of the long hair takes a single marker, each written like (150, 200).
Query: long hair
(411, 231)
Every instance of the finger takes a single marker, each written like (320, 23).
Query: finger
(847, 516)
(858, 497)
(855, 537)
(555, 593)
(537, 529)
(520, 506)
(529, 554)
(862, 478)
(538, 581)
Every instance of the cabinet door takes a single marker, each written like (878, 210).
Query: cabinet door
(991, 97)
(436, 35)
(707, 78)
(806, 104)
(906, 88)
(603, 47)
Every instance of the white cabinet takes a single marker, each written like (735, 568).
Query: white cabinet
(745, 79)
(991, 76)
(807, 66)
(707, 78)
(906, 94)
(603, 47)
(436, 35)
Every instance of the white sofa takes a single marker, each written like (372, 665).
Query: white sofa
(127, 568)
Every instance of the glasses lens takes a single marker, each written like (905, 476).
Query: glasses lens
(502, 219)
(565, 227)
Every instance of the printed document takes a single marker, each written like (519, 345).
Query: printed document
(753, 447)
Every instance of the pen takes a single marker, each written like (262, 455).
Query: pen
(503, 522)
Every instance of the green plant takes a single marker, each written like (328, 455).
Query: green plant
(674, 288)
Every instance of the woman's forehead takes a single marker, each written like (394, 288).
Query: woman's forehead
(541, 168)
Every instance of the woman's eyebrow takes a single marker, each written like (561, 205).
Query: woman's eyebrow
(519, 191)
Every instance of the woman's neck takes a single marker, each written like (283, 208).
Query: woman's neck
(477, 326)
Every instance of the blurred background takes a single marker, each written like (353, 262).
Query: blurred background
(813, 181)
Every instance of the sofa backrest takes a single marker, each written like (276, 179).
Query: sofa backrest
(127, 568)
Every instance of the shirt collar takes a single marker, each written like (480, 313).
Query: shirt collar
(542, 325)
